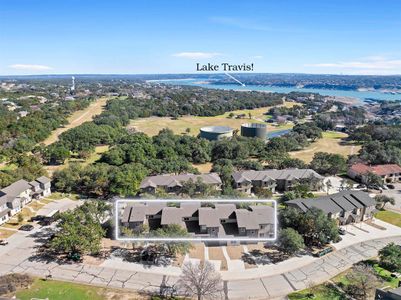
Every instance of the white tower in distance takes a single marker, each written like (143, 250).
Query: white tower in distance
(73, 85)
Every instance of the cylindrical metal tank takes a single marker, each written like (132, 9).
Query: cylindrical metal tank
(254, 130)
(215, 133)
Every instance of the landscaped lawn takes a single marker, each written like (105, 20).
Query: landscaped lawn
(321, 292)
(389, 217)
(332, 142)
(58, 290)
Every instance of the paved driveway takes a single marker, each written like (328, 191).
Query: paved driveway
(396, 194)
(58, 205)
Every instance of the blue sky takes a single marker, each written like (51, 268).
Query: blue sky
(130, 37)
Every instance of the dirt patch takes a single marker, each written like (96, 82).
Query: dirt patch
(215, 253)
(258, 246)
(197, 251)
(235, 252)
(203, 168)
(92, 260)
(5, 234)
(178, 261)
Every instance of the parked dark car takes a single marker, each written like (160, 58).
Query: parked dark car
(26, 227)
(37, 218)
(46, 221)
(391, 186)
(3, 242)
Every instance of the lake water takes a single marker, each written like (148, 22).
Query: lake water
(361, 95)
(277, 133)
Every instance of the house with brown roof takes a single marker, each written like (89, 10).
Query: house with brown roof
(388, 172)
(275, 180)
(172, 184)
(18, 194)
(221, 220)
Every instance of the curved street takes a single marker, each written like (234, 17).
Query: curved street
(19, 256)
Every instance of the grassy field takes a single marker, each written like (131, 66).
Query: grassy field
(57, 290)
(332, 142)
(389, 217)
(203, 168)
(77, 118)
(91, 159)
(152, 125)
(321, 292)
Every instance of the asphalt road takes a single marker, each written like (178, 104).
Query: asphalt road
(19, 256)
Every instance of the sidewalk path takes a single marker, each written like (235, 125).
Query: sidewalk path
(273, 281)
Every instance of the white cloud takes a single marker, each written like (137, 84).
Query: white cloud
(26, 67)
(196, 55)
(366, 65)
(257, 56)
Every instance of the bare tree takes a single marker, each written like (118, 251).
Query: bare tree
(363, 282)
(201, 280)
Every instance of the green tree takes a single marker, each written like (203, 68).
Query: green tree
(173, 248)
(56, 153)
(315, 226)
(328, 163)
(372, 179)
(382, 200)
(290, 241)
(79, 231)
(390, 257)
(298, 191)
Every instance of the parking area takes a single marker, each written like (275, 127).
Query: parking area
(43, 207)
(396, 194)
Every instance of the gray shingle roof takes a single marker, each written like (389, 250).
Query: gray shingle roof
(251, 219)
(137, 212)
(343, 201)
(34, 183)
(16, 188)
(252, 175)
(3, 198)
(176, 180)
(43, 179)
(175, 215)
